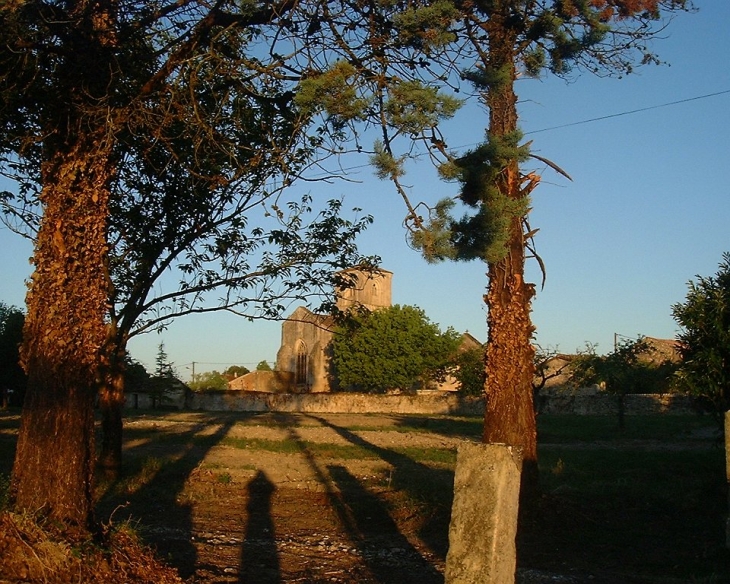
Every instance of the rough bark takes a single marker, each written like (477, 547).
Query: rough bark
(111, 403)
(509, 416)
(64, 334)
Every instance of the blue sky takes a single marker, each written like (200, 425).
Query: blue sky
(648, 209)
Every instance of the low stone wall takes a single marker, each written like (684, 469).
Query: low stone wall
(591, 402)
(580, 402)
(334, 403)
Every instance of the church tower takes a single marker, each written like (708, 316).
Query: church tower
(371, 290)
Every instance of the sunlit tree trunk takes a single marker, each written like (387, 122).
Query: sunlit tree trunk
(65, 333)
(509, 415)
(68, 298)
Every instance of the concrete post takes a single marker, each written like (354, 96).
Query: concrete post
(483, 526)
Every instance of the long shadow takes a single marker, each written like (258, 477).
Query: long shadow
(389, 555)
(365, 517)
(259, 556)
(421, 482)
(452, 427)
(164, 520)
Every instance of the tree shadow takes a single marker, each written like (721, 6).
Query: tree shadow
(389, 555)
(431, 486)
(468, 427)
(148, 491)
(259, 556)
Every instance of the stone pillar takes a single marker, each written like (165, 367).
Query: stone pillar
(727, 473)
(483, 526)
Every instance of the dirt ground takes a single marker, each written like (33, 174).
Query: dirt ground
(226, 513)
(340, 498)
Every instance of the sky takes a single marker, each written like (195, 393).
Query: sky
(647, 210)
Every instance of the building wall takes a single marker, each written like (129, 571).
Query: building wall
(305, 336)
(373, 291)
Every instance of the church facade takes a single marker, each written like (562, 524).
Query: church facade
(305, 336)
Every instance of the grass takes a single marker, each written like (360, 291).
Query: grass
(556, 429)
(329, 451)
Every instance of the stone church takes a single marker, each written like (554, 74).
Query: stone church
(305, 336)
(302, 362)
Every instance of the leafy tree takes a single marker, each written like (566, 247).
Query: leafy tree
(12, 377)
(235, 371)
(629, 368)
(705, 338)
(135, 374)
(145, 137)
(209, 380)
(263, 366)
(489, 45)
(164, 378)
(393, 348)
(469, 371)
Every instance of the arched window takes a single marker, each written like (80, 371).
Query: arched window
(302, 367)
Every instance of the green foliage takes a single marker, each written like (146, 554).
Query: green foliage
(333, 91)
(485, 233)
(433, 240)
(164, 379)
(386, 165)
(629, 368)
(135, 375)
(470, 372)
(209, 380)
(164, 368)
(413, 107)
(12, 376)
(394, 348)
(235, 371)
(705, 337)
(427, 27)
(489, 77)
(263, 366)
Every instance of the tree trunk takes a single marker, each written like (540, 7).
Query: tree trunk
(509, 416)
(111, 403)
(65, 333)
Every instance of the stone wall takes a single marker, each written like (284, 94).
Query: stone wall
(594, 402)
(423, 403)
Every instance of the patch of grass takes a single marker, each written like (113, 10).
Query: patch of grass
(464, 426)
(138, 473)
(555, 429)
(612, 473)
(446, 456)
(224, 478)
(339, 451)
(653, 513)
(289, 446)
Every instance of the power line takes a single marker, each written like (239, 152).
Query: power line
(581, 122)
(626, 113)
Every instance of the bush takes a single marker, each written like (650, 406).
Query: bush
(393, 348)
(469, 371)
(705, 338)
